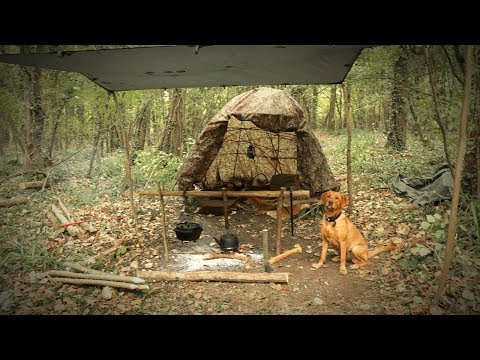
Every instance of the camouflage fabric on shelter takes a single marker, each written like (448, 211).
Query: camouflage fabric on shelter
(278, 129)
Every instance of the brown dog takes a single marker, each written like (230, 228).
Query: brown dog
(339, 231)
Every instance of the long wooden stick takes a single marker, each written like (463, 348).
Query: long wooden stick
(227, 276)
(117, 284)
(284, 255)
(243, 194)
(69, 274)
(225, 207)
(279, 221)
(78, 267)
(164, 226)
(452, 223)
(266, 253)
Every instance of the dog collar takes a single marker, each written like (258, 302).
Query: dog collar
(333, 218)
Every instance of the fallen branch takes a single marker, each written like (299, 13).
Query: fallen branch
(117, 284)
(244, 258)
(33, 185)
(215, 276)
(78, 267)
(13, 201)
(135, 280)
(284, 255)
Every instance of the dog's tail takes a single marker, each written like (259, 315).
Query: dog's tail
(378, 250)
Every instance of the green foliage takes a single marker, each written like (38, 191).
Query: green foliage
(153, 166)
(113, 165)
(469, 225)
(437, 225)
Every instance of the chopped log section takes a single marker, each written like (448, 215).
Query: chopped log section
(225, 276)
(284, 255)
(13, 201)
(72, 230)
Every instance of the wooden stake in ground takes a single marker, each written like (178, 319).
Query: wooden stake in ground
(164, 226)
(284, 255)
(126, 143)
(225, 207)
(279, 220)
(349, 148)
(227, 276)
(452, 223)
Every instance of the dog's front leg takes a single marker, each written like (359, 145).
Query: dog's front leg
(323, 256)
(343, 257)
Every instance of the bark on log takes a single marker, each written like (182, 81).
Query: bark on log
(243, 194)
(117, 284)
(32, 185)
(215, 276)
(69, 274)
(69, 216)
(72, 230)
(13, 201)
(78, 267)
(53, 219)
(284, 255)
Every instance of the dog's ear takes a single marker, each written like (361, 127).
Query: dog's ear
(323, 197)
(345, 201)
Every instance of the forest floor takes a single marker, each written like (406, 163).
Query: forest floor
(401, 281)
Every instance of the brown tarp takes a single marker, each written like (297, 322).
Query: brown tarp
(272, 110)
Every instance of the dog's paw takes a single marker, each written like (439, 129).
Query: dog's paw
(336, 258)
(318, 265)
(343, 270)
(354, 267)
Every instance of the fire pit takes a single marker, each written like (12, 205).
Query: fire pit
(188, 231)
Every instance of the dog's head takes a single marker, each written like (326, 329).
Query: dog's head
(333, 200)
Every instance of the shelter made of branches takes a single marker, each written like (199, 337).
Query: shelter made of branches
(258, 134)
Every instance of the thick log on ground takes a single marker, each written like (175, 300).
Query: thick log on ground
(32, 185)
(245, 194)
(226, 276)
(13, 201)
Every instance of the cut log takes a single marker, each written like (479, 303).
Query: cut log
(130, 279)
(226, 276)
(32, 185)
(53, 219)
(284, 255)
(243, 194)
(117, 284)
(88, 227)
(13, 201)
(69, 216)
(72, 230)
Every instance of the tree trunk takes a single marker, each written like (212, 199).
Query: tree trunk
(329, 120)
(418, 127)
(28, 144)
(172, 136)
(94, 150)
(438, 118)
(471, 177)
(452, 223)
(38, 119)
(397, 129)
(349, 147)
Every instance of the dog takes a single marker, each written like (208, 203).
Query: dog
(339, 231)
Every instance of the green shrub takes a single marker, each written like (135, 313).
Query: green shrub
(153, 166)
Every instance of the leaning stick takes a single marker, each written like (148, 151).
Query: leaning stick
(72, 230)
(135, 280)
(225, 207)
(164, 228)
(69, 216)
(284, 255)
(80, 268)
(117, 284)
(244, 258)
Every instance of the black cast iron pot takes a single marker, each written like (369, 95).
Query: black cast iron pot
(188, 231)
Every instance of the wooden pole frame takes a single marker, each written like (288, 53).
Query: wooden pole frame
(164, 225)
